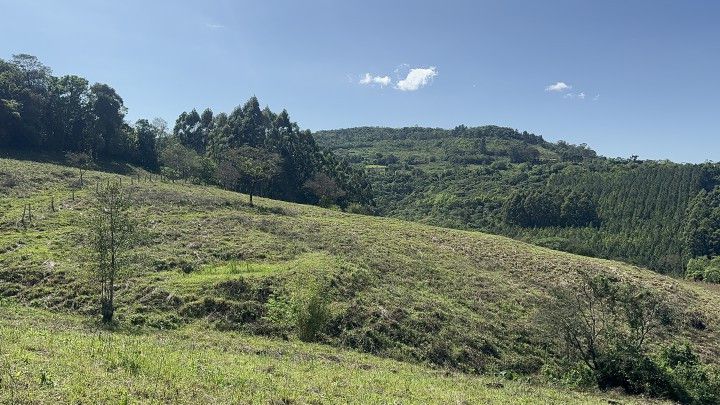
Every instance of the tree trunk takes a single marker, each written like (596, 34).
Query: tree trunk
(252, 189)
(108, 307)
(107, 310)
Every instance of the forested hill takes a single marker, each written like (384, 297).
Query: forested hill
(557, 195)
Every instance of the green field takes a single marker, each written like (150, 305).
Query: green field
(449, 316)
(52, 358)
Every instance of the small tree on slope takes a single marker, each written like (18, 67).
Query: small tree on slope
(112, 233)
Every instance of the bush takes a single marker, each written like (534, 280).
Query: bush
(312, 315)
(279, 312)
(636, 373)
(500, 164)
(606, 326)
(553, 242)
(703, 269)
(356, 208)
(712, 275)
(696, 268)
(691, 381)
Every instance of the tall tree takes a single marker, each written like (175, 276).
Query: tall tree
(249, 169)
(702, 226)
(107, 114)
(71, 96)
(325, 188)
(252, 125)
(219, 136)
(189, 131)
(179, 162)
(578, 209)
(30, 81)
(147, 155)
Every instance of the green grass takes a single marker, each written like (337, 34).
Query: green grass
(51, 358)
(216, 270)
(234, 269)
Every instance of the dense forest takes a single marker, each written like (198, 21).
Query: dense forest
(250, 149)
(652, 213)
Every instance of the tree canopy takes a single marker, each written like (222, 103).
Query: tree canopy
(43, 113)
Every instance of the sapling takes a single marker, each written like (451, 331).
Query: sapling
(112, 233)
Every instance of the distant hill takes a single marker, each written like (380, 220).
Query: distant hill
(517, 184)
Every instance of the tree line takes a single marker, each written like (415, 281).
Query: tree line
(251, 149)
(256, 150)
(42, 112)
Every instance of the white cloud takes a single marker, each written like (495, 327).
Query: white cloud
(215, 26)
(565, 90)
(579, 96)
(370, 79)
(416, 78)
(558, 87)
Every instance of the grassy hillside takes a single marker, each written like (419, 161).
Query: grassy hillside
(51, 358)
(464, 178)
(466, 301)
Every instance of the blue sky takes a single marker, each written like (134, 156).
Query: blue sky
(647, 70)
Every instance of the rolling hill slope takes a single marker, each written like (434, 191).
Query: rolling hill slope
(53, 358)
(466, 178)
(465, 301)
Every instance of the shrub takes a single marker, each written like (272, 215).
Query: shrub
(691, 381)
(500, 164)
(712, 275)
(703, 269)
(553, 242)
(634, 372)
(312, 315)
(279, 312)
(606, 325)
(696, 268)
(356, 208)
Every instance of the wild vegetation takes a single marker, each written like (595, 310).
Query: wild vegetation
(462, 301)
(563, 196)
(606, 324)
(49, 358)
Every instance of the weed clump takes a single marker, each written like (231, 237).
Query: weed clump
(312, 315)
(305, 312)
